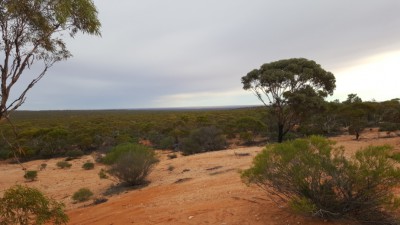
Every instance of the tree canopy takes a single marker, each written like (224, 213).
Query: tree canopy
(292, 87)
(32, 31)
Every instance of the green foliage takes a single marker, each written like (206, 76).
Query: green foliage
(88, 166)
(316, 178)
(63, 164)
(30, 175)
(25, 205)
(294, 88)
(82, 195)
(131, 163)
(121, 149)
(32, 32)
(103, 174)
(202, 140)
(73, 154)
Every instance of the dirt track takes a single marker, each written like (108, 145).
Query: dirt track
(198, 189)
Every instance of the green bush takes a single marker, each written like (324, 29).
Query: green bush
(82, 195)
(63, 164)
(103, 174)
(73, 154)
(25, 205)
(120, 149)
(30, 175)
(202, 140)
(88, 166)
(133, 164)
(316, 178)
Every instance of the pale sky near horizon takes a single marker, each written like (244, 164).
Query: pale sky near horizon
(181, 53)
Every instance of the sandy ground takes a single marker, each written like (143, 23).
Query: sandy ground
(198, 189)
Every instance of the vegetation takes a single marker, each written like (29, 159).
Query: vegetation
(63, 164)
(131, 163)
(25, 205)
(202, 140)
(88, 165)
(48, 134)
(82, 195)
(292, 87)
(31, 32)
(316, 178)
(30, 175)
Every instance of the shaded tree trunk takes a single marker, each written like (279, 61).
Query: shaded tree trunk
(280, 133)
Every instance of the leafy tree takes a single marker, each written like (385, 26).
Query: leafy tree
(25, 205)
(352, 98)
(31, 31)
(292, 87)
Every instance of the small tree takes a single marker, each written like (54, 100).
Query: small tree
(25, 205)
(292, 87)
(316, 178)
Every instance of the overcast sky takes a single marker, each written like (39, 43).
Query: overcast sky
(176, 53)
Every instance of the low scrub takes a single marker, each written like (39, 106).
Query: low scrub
(315, 178)
(88, 166)
(63, 164)
(30, 175)
(25, 205)
(203, 140)
(82, 195)
(131, 163)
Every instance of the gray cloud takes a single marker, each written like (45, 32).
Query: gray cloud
(155, 51)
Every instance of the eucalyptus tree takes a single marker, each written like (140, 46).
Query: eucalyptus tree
(32, 36)
(292, 87)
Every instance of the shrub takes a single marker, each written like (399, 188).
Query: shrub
(120, 149)
(25, 205)
(73, 154)
(88, 165)
(42, 166)
(316, 178)
(30, 175)
(133, 164)
(103, 174)
(82, 195)
(63, 164)
(203, 140)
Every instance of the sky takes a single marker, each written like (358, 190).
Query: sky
(185, 53)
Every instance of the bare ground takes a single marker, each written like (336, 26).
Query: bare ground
(198, 189)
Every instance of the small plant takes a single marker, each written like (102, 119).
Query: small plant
(42, 166)
(82, 195)
(170, 168)
(314, 177)
(30, 175)
(88, 165)
(103, 174)
(172, 156)
(63, 164)
(25, 205)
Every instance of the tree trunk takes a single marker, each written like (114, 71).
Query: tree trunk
(280, 133)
